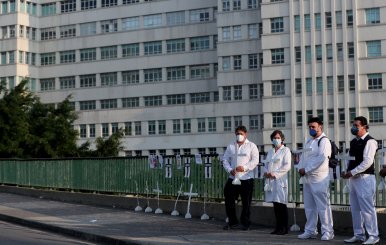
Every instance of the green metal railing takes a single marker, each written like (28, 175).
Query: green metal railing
(119, 175)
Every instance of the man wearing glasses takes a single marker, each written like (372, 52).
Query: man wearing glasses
(361, 173)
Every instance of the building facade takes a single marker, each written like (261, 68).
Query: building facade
(180, 75)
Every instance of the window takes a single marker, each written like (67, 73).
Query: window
(319, 85)
(88, 54)
(87, 81)
(237, 92)
(109, 104)
(175, 73)
(339, 51)
(227, 124)
(297, 23)
(47, 84)
(212, 127)
(227, 93)
(109, 26)
(226, 63)
(330, 84)
(186, 126)
(299, 118)
(226, 6)
(372, 16)
(373, 48)
(109, 3)
(67, 6)
(278, 119)
(319, 114)
(318, 22)
(226, 33)
(352, 114)
(128, 128)
(109, 52)
(199, 15)
(236, 4)
(253, 122)
(238, 120)
(374, 81)
(318, 52)
(175, 99)
(329, 52)
(341, 116)
(11, 57)
(130, 1)
(153, 100)
(152, 75)
(308, 54)
(176, 126)
(278, 87)
(351, 80)
(376, 114)
(201, 127)
(203, 97)
(130, 23)
(199, 72)
(48, 33)
(87, 29)
(252, 61)
(88, 4)
(175, 18)
(277, 56)
(67, 82)
(237, 62)
(308, 86)
(152, 20)
(307, 22)
(137, 128)
(114, 128)
(82, 131)
(253, 91)
(199, 43)
(48, 9)
(130, 102)
(252, 4)
(236, 32)
(109, 79)
(92, 130)
(351, 50)
(331, 116)
(152, 48)
(129, 50)
(338, 19)
(67, 31)
(151, 127)
(67, 56)
(350, 18)
(252, 31)
(162, 127)
(130, 77)
(277, 25)
(105, 129)
(47, 59)
(175, 45)
(328, 19)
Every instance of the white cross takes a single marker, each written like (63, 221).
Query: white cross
(175, 212)
(345, 156)
(158, 191)
(190, 194)
(148, 209)
(382, 160)
(138, 208)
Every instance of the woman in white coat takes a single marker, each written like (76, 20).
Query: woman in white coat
(276, 185)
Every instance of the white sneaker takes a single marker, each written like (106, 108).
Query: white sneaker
(306, 235)
(354, 239)
(372, 240)
(327, 236)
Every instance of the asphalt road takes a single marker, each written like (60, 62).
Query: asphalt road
(19, 235)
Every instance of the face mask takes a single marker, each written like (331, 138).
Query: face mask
(313, 132)
(240, 138)
(354, 130)
(276, 142)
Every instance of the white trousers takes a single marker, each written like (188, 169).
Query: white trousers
(362, 201)
(317, 202)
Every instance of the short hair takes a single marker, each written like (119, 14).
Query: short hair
(241, 128)
(363, 121)
(278, 132)
(315, 119)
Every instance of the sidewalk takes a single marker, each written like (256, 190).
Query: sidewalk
(117, 226)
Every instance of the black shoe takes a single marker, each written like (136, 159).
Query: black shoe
(282, 232)
(274, 231)
(230, 227)
(245, 227)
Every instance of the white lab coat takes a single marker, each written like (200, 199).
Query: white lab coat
(279, 165)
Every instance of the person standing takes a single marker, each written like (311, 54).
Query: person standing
(316, 183)
(279, 159)
(240, 159)
(361, 173)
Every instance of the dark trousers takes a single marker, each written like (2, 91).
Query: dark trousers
(281, 215)
(231, 194)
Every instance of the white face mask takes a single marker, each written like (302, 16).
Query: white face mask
(240, 138)
(276, 142)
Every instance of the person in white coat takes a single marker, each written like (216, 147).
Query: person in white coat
(361, 172)
(316, 183)
(276, 191)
